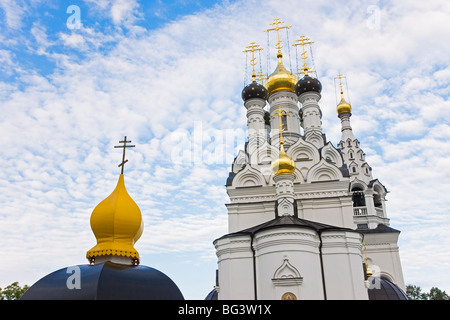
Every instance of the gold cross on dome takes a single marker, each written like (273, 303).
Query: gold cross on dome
(280, 113)
(252, 48)
(124, 146)
(302, 41)
(261, 76)
(276, 22)
(340, 77)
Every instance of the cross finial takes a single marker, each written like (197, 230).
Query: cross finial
(124, 146)
(252, 48)
(340, 77)
(261, 76)
(280, 113)
(302, 41)
(276, 22)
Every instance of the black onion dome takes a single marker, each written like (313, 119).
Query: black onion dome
(105, 281)
(254, 90)
(383, 289)
(307, 84)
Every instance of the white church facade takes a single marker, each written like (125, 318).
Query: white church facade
(306, 219)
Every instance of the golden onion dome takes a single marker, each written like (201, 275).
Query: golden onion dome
(284, 163)
(343, 106)
(117, 224)
(281, 79)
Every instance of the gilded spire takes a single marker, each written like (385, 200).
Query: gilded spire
(343, 106)
(284, 164)
(117, 224)
(368, 271)
(281, 79)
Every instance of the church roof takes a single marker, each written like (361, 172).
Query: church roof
(381, 228)
(287, 221)
(386, 290)
(105, 281)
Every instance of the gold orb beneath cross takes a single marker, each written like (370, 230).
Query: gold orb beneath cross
(284, 164)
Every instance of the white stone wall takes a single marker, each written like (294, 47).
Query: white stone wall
(300, 246)
(384, 258)
(343, 269)
(235, 264)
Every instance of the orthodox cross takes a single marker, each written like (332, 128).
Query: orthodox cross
(340, 77)
(302, 41)
(252, 48)
(277, 28)
(280, 113)
(261, 76)
(123, 154)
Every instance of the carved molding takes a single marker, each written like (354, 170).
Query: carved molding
(287, 275)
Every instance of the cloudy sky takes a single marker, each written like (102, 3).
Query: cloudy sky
(77, 76)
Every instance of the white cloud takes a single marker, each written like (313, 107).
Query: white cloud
(13, 13)
(408, 128)
(121, 12)
(61, 129)
(123, 9)
(74, 40)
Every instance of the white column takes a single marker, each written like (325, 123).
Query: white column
(284, 184)
(288, 102)
(312, 122)
(346, 127)
(256, 130)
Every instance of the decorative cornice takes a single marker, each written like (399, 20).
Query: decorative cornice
(297, 196)
(288, 281)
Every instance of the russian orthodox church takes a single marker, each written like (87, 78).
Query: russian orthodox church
(113, 272)
(306, 219)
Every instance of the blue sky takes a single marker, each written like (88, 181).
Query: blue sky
(160, 73)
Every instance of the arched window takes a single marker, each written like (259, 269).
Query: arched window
(351, 154)
(358, 197)
(361, 155)
(377, 196)
(284, 122)
(377, 200)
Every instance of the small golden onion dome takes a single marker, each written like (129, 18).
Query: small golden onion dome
(284, 164)
(117, 224)
(281, 79)
(343, 106)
